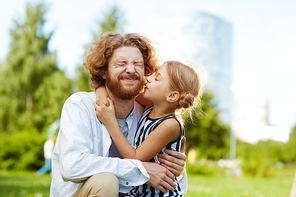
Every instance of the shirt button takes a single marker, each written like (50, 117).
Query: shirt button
(126, 183)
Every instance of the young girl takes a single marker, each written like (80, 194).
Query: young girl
(174, 86)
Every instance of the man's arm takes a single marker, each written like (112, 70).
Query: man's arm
(174, 161)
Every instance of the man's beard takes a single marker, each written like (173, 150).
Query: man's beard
(118, 90)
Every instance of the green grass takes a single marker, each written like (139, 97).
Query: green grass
(15, 184)
(19, 184)
(238, 187)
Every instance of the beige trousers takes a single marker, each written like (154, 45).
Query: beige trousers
(103, 184)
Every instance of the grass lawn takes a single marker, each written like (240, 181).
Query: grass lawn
(19, 184)
(15, 184)
(238, 187)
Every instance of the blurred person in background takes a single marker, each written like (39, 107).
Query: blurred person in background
(51, 133)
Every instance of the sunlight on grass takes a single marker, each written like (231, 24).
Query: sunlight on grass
(238, 187)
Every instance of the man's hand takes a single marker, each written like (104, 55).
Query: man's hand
(160, 177)
(174, 161)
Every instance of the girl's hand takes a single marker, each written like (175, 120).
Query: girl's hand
(105, 113)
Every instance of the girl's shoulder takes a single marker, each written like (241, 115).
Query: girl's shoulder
(172, 124)
(172, 127)
(172, 121)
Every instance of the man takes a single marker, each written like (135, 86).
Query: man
(85, 160)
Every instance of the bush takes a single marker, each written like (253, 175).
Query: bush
(205, 167)
(258, 159)
(22, 150)
(199, 169)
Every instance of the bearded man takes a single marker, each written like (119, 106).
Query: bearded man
(85, 159)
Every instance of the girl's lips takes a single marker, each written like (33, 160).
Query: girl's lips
(145, 89)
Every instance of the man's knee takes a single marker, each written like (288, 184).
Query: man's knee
(105, 180)
(103, 184)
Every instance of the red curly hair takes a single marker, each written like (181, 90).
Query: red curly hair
(97, 56)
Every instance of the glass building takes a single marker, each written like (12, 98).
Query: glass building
(202, 39)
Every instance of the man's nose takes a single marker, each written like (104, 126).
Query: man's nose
(130, 68)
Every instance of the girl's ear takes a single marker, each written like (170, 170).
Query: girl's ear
(173, 97)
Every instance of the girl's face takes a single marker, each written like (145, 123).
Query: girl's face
(157, 86)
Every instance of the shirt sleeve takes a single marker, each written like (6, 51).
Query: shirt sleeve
(81, 143)
(183, 182)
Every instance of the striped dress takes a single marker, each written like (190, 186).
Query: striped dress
(145, 127)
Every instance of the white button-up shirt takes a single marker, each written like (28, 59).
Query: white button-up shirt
(82, 148)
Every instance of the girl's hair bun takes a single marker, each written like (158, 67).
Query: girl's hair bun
(186, 100)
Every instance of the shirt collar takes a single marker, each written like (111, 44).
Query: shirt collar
(129, 118)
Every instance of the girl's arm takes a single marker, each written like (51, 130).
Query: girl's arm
(102, 95)
(164, 133)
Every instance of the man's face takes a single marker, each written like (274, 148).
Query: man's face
(125, 73)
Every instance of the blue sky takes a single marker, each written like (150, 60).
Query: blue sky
(264, 37)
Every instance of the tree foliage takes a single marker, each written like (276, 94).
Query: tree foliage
(28, 69)
(207, 133)
(113, 22)
(289, 149)
(259, 158)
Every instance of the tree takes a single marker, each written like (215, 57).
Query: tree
(206, 132)
(113, 21)
(29, 67)
(290, 147)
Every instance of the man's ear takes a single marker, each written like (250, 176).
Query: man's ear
(173, 97)
(104, 76)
